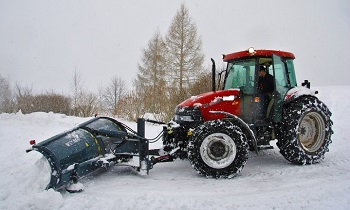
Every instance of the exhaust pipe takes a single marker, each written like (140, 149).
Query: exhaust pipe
(213, 75)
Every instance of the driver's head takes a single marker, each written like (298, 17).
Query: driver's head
(262, 71)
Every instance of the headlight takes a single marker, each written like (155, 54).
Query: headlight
(183, 118)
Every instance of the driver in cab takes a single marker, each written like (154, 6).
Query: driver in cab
(265, 89)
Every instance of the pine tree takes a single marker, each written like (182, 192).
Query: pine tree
(170, 69)
(184, 52)
(150, 81)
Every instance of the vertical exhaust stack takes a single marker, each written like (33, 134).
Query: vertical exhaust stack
(213, 75)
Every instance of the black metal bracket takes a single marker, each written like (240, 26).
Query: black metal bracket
(306, 83)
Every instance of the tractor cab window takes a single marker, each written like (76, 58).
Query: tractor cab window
(281, 77)
(240, 74)
(281, 84)
(291, 73)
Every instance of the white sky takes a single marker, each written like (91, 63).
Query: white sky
(42, 42)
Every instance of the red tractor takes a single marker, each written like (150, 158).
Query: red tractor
(259, 102)
(215, 130)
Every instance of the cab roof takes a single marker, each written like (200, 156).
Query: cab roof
(258, 53)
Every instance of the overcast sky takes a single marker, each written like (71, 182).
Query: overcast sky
(43, 42)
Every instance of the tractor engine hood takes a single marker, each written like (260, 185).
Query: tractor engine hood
(197, 108)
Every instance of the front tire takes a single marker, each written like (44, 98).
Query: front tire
(305, 132)
(218, 149)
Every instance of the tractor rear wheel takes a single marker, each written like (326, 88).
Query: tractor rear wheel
(218, 149)
(305, 132)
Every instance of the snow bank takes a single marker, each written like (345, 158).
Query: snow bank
(267, 181)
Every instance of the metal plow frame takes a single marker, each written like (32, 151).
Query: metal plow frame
(90, 146)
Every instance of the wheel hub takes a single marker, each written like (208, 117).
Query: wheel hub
(311, 131)
(218, 150)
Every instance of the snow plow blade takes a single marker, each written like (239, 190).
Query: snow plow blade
(90, 146)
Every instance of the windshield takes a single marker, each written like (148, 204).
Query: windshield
(240, 74)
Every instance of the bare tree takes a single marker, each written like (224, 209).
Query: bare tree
(84, 102)
(77, 89)
(112, 94)
(6, 100)
(46, 102)
(21, 90)
(202, 84)
(131, 106)
(87, 104)
(184, 52)
(23, 97)
(49, 102)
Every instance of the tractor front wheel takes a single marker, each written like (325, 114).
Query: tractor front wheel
(305, 132)
(218, 149)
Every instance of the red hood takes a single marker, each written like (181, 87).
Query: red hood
(209, 97)
(223, 100)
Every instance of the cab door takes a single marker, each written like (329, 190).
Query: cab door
(281, 86)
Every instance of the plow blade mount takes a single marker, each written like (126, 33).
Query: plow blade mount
(89, 146)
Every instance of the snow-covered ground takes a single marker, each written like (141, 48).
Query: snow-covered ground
(267, 181)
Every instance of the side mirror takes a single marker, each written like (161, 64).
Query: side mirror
(306, 83)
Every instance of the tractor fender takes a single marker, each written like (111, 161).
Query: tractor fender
(243, 125)
(297, 92)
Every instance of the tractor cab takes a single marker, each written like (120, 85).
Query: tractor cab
(242, 73)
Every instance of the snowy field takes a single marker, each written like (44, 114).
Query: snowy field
(267, 181)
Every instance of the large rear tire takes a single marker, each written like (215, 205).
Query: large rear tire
(218, 149)
(305, 132)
